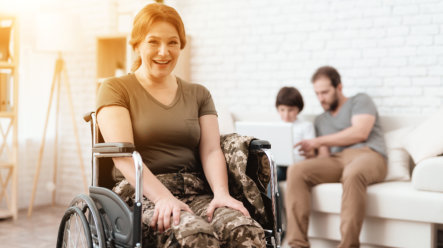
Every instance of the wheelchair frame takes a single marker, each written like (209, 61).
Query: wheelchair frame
(107, 216)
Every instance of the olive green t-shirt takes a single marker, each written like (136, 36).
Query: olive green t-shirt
(167, 137)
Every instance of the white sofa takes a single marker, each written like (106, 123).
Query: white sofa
(400, 212)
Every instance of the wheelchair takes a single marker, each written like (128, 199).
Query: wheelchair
(103, 219)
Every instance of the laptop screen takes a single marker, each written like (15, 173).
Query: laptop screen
(279, 134)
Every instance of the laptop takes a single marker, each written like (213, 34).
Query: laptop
(279, 134)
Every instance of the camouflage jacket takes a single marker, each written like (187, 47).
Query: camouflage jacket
(248, 173)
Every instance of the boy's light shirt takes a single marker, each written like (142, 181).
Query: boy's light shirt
(301, 130)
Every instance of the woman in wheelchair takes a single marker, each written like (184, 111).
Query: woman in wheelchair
(173, 124)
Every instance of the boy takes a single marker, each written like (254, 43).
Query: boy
(289, 104)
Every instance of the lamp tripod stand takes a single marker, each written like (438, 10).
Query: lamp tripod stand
(60, 70)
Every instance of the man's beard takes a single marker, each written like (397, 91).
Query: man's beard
(334, 105)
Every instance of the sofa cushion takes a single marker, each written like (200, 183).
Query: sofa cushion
(426, 140)
(398, 157)
(396, 138)
(428, 173)
(393, 200)
(398, 165)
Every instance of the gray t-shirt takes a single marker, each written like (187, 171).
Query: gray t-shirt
(359, 104)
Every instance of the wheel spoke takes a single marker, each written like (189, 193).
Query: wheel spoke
(74, 229)
(65, 234)
(94, 225)
(71, 234)
(84, 240)
(78, 232)
(81, 238)
(79, 228)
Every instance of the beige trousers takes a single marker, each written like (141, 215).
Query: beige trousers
(355, 168)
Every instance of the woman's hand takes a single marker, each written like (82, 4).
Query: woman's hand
(164, 208)
(225, 201)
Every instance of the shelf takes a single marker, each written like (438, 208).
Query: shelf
(6, 65)
(5, 214)
(9, 54)
(6, 165)
(8, 114)
(111, 55)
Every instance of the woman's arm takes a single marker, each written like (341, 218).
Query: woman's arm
(214, 166)
(213, 161)
(115, 126)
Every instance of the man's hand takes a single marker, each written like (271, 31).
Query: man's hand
(311, 154)
(307, 147)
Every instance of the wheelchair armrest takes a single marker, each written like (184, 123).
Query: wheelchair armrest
(114, 147)
(259, 144)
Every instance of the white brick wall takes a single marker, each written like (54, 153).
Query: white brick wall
(243, 51)
(392, 50)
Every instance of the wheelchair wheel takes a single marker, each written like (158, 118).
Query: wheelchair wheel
(74, 230)
(89, 209)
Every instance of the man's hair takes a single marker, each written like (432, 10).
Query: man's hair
(329, 72)
(289, 96)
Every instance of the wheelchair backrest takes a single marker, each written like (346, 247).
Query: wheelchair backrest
(103, 170)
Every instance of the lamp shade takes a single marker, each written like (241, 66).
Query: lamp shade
(56, 32)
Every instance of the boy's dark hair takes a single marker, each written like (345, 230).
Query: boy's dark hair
(329, 72)
(289, 96)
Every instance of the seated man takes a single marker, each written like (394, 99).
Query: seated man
(351, 150)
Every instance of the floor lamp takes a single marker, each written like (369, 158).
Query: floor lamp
(60, 77)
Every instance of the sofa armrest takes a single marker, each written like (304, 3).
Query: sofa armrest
(427, 174)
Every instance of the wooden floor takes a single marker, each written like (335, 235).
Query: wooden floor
(40, 230)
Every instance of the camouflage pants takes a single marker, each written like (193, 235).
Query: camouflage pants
(229, 227)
